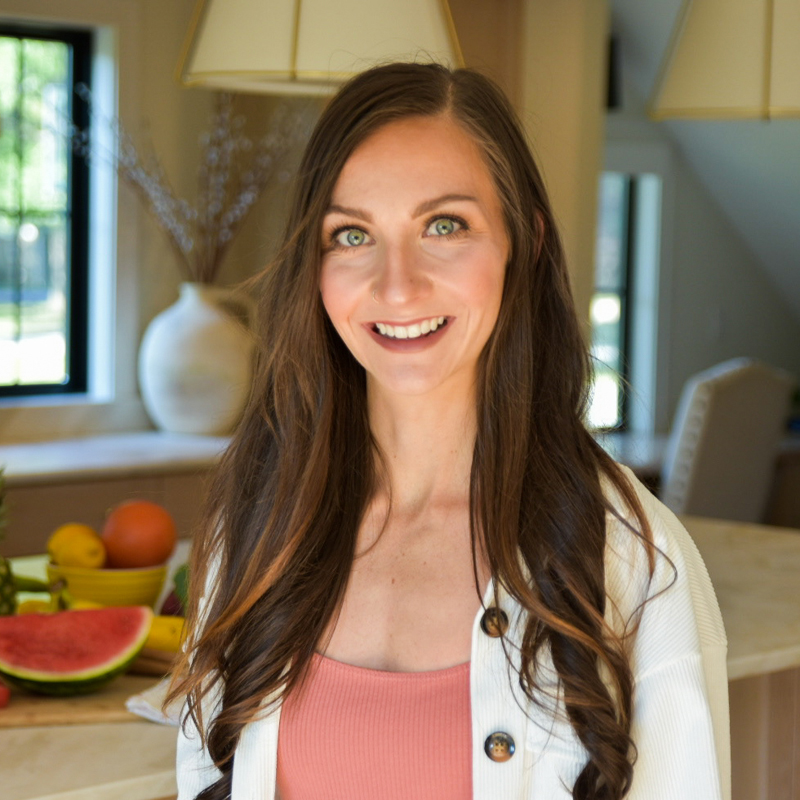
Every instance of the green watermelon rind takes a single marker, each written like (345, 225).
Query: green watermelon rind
(83, 682)
(62, 687)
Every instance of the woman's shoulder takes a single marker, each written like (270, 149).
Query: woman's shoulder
(626, 541)
(678, 591)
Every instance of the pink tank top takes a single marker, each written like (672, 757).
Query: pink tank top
(362, 734)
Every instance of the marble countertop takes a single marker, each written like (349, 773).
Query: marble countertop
(112, 455)
(109, 761)
(754, 570)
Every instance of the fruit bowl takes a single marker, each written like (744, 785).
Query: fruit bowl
(112, 587)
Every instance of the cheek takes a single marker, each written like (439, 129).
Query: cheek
(338, 296)
(484, 289)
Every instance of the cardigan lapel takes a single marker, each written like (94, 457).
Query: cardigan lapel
(255, 764)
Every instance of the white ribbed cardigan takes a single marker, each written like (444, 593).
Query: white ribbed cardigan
(680, 714)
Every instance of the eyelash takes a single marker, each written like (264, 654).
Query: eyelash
(460, 221)
(334, 244)
(332, 237)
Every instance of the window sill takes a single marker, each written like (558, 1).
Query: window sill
(51, 401)
(109, 457)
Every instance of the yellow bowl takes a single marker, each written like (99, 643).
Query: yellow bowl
(112, 587)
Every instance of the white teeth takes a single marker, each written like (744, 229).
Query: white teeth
(412, 331)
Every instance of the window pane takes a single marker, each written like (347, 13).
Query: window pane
(9, 296)
(9, 82)
(34, 212)
(605, 402)
(44, 110)
(43, 324)
(606, 312)
(612, 231)
(33, 301)
(608, 302)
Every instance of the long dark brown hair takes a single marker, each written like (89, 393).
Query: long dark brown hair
(287, 501)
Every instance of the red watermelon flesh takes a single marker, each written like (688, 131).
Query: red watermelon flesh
(71, 652)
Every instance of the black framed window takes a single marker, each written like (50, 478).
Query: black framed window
(44, 211)
(611, 306)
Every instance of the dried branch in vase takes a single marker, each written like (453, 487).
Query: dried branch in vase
(234, 172)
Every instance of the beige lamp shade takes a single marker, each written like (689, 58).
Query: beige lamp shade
(310, 46)
(732, 59)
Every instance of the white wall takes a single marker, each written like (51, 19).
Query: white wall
(715, 300)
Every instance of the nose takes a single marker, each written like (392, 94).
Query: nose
(402, 275)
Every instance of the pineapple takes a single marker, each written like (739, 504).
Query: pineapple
(8, 587)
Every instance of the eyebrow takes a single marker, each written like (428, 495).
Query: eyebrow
(422, 208)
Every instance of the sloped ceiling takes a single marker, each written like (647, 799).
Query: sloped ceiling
(751, 167)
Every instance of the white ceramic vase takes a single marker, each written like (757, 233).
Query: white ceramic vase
(195, 362)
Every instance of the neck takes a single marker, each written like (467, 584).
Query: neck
(427, 443)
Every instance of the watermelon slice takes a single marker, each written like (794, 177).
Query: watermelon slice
(72, 652)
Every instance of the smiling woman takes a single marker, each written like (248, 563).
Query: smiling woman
(422, 576)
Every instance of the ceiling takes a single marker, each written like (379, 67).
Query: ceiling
(751, 167)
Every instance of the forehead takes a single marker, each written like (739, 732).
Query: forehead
(421, 151)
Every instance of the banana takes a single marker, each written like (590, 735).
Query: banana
(165, 634)
(34, 607)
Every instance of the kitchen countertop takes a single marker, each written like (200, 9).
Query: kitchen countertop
(754, 570)
(108, 761)
(111, 455)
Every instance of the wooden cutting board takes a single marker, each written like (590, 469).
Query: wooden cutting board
(105, 705)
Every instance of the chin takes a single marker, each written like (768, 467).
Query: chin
(413, 382)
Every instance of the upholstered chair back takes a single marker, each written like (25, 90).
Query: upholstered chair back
(720, 457)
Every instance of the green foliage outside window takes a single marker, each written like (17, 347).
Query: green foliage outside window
(37, 302)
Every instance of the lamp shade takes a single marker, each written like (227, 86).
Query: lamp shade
(310, 46)
(731, 60)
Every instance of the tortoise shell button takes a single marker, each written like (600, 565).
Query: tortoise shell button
(499, 746)
(494, 622)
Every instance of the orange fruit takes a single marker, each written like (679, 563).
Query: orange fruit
(138, 533)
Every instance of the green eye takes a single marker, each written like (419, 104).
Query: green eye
(352, 237)
(444, 226)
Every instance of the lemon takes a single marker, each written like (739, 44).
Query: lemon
(84, 551)
(64, 534)
(76, 545)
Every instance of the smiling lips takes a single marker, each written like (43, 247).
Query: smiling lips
(414, 331)
(409, 338)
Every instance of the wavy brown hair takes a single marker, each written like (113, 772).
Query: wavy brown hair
(287, 501)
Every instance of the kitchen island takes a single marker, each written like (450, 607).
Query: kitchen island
(755, 571)
(101, 761)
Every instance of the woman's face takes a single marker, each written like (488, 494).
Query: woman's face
(415, 250)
